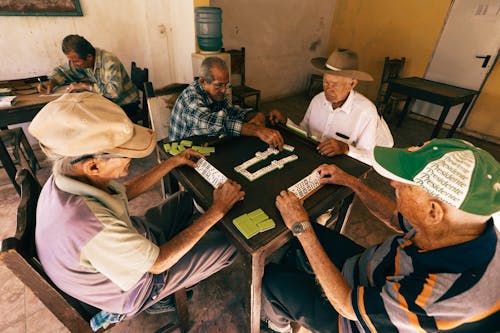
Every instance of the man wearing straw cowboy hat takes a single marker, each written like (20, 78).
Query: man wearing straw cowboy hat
(439, 273)
(340, 118)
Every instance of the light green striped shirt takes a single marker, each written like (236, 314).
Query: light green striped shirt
(108, 78)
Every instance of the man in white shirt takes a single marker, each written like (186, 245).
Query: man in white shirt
(340, 118)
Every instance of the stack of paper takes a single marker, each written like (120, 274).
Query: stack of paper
(7, 100)
(253, 223)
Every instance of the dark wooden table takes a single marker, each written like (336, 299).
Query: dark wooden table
(23, 110)
(262, 193)
(434, 92)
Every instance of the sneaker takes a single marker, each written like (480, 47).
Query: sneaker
(167, 304)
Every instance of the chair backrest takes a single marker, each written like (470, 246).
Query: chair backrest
(160, 105)
(19, 255)
(139, 76)
(238, 64)
(392, 70)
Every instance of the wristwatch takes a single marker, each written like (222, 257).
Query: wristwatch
(300, 227)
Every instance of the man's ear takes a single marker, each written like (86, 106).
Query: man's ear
(435, 212)
(354, 83)
(90, 167)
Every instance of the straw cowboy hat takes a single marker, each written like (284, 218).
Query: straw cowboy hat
(342, 62)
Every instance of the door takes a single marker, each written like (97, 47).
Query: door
(465, 52)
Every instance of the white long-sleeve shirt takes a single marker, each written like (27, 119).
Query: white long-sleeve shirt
(356, 123)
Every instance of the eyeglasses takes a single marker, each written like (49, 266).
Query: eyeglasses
(220, 86)
(333, 84)
(104, 155)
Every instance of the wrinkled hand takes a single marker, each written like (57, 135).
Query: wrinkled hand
(187, 157)
(271, 137)
(76, 87)
(332, 174)
(332, 147)
(291, 208)
(47, 90)
(226, 195)
(276, 117)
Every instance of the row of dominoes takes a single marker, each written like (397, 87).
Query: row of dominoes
(259, 156)
(306, 185)
(276, 164)
(210, 173)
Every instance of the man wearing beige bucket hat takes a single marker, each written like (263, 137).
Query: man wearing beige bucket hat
(340, 118)
(88, 243)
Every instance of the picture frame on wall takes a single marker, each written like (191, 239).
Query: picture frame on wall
(40, 8)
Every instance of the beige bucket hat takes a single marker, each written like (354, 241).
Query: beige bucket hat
(342, 62)
(86, 123)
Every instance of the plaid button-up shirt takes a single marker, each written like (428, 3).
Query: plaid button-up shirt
(108, 78)
(195, 113)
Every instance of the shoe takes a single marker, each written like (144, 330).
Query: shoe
(274, 328)
(167, 304)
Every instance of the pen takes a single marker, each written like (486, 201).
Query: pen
(343, 136)
(41, 83)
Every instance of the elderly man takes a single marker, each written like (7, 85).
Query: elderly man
(95, 70)
(88, 243)
(203, 109)
(439, 273)
(340, 118)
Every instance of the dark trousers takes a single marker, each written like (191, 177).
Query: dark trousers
(211, 253)
(290, 291)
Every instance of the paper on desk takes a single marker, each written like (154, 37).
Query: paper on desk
(56, 92)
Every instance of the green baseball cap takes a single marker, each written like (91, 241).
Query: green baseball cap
(451, 170)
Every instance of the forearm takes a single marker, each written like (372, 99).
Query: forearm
(378, 204)
(148, 179)
(172, 251)
(335, 286)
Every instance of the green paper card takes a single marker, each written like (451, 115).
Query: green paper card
(186, 143)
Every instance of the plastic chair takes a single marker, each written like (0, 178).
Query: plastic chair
(16, 145)
(241, 91)
(160, 105)
(139, 76)
(392, 70)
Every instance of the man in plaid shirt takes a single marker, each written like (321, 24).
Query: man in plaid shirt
(203, 109)
(95, 70)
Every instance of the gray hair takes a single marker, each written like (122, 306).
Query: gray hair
(61, 164)
(208, 64)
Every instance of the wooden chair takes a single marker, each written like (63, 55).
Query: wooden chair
(392, 69)
(315, 85)
(18, 254)
(160, 105)
(139, 76)
(16, 146)
(241, 91)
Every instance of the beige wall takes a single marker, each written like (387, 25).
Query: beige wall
(485, 115)
(153, 33)
(379, 28)
(411, 28)
(280, 37)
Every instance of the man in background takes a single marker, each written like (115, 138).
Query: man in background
(95, 70)
(203, 109)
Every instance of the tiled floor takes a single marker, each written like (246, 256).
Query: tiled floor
(217, 304)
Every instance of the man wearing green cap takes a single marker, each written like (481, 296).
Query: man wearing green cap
(86, 240)
(438, 273)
